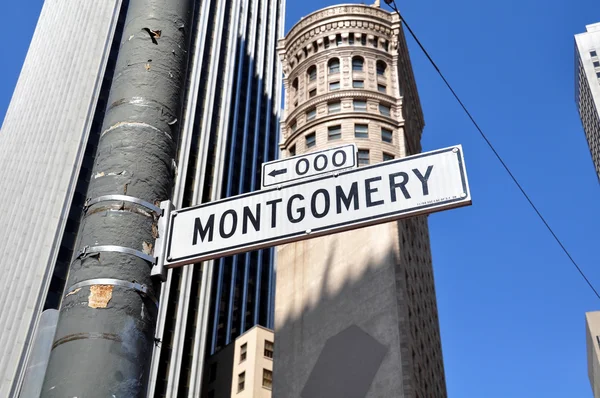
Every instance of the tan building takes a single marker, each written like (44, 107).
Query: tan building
(355, 312)
(592, 332)
(243, 369)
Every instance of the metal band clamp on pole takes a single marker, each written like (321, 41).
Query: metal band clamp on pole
(87, 251)
(123, 198)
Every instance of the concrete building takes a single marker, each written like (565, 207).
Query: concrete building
(47, 141)
(229, 126)
(592, 334)
(355, 312)
(243, 369)
(587, 87)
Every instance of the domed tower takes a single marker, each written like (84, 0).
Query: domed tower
(348, 79)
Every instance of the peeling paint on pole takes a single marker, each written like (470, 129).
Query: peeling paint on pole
(99, 296)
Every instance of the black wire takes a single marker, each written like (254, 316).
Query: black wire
(393, 5)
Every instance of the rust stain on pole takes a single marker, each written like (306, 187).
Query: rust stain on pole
(100, 295)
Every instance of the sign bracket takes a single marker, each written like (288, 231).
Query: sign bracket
(160, 245)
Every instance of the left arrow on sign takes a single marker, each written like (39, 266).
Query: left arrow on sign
(275, 173)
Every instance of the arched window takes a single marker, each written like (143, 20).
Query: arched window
(334, 65)
(381, 68)
(357, 64)
(312, 73)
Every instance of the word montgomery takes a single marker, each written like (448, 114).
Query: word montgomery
(320, 203)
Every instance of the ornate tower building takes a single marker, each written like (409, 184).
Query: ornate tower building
(355, 311)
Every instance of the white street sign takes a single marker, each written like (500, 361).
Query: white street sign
(420, 184)
(309, 165)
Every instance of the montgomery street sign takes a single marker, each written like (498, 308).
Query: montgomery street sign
(309, 165)
(383, 192)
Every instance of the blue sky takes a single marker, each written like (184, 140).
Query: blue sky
(511, 305)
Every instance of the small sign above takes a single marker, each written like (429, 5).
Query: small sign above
(312, 164)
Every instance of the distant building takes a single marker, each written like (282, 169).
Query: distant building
(587, 87)
(243, 369)
(592, 332)
(355, 312)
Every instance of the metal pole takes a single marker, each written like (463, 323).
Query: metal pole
(105, 333)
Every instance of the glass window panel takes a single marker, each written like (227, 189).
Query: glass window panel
(363, 157)
(385, 110)
(387, 135)
(360, 105)
(361, 130)
(311, 140)
(334, 86)
(334, 66)
(358, 83)
(312, 73)
(334, 132)
(334, 107)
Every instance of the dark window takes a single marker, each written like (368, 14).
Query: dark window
(267, 379)
(351, 38)
(593, 53)
(381, 67)
(243, 352)
(338, 39)
(334, 65)
(311, 140)
(334, 86)
(334, 132)
(212, 372)
(361, 130)
(311, 114)
(360, 105)
(292, 150)
(211, 394)
(293, 126)
(597, 74)
(334, 107)
(382, 88)
(312, 93)
(387, 135)
(326, 42)
(385, 110)
(596, 64)
(269, 349)
(357, 64)
(241, 381)
(295, 85)
(363, 157)
(358, 83)
(387, 156)
(312, 73)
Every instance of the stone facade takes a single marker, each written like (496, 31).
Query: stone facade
(348, 79)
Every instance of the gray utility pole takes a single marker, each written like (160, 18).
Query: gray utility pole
(105, 331)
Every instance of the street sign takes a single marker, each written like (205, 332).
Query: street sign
(420, 184)
(309, 165)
